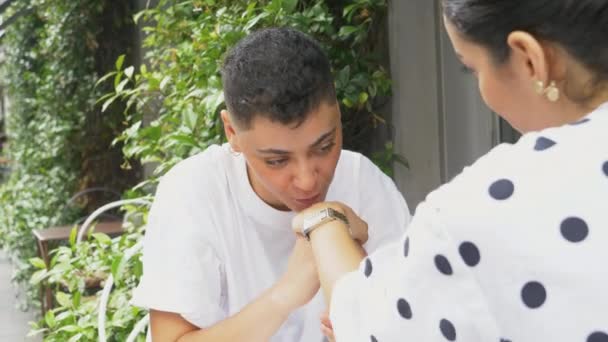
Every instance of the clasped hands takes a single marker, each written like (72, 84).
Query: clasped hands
(301, 278)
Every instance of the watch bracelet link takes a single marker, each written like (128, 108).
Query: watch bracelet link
(331, 215)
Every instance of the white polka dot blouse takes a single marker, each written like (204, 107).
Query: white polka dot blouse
(513, 249)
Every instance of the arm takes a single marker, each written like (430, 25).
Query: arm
(339, 253)
(259, 320)
(336, 251)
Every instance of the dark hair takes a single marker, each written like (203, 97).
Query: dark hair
(579, 26)
(278, 73)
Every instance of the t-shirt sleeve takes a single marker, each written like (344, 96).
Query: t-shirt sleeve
(181, 271)
(383, 206)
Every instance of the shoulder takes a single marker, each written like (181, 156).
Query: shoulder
(201, 170)
(355, 164)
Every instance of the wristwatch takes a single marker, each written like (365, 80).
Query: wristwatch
(322, 217)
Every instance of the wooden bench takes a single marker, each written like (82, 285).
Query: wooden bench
(62, 233)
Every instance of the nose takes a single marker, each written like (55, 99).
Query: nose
(306, 176)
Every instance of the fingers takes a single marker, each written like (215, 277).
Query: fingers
(328, 333)
(325, 320)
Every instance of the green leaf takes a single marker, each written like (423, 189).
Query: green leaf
(36, 332)
(289, 6)
(138, 15)
(76, 299)
(69, 328)
(254, 21)
(38, 263)
(73, 236)
(129, 71)
(102, 238)
(38, 276)
(164, 82)
(49, 318)
(122, 85)
(75, 338)
(109, 102)
(63, 299)
(348, 103)
(105, 77)
(189, 118)
(120, 61)
(116, 265)
(363, 97)
(346, 31)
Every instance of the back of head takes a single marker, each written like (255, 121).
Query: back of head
(579, 26)
(278, 73)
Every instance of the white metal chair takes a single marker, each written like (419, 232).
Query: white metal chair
(141, 325)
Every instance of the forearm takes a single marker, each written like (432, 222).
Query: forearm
(336, 254)
(258, 321)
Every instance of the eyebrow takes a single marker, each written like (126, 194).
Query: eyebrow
(315, 144)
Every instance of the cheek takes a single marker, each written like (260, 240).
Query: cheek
(328, 164)
(491, 93)
(272, 179)
(503, 97)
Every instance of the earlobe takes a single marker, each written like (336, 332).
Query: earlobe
(230, 131)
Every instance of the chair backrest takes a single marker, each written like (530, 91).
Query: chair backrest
(141, 325)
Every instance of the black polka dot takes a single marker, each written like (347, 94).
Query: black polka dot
(406, 247)
(368, 267)
(443, 265)
(598, 336)
(502, 189)
(580, 122)
(605, 168)
(574, 229)
(469, 253)
(372, 338)
(448, 330)
(534, 294)
(543, 143)
(404, 308)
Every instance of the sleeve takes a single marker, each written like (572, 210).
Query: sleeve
(382, 206)
(416, 289)
(181, 271)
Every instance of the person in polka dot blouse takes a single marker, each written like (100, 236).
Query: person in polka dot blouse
(515, 247)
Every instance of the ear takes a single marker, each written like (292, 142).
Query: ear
(536, 58)
(230, 130)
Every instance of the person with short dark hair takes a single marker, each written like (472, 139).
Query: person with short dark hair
(220, 260)
(513, 248)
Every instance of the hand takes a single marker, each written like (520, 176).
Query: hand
(326, 328)
(358, 227)
(300, 282)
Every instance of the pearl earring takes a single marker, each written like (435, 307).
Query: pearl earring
(551, 92)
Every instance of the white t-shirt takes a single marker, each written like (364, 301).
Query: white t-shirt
(212, 245)
(513, 249)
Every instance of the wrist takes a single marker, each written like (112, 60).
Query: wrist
(331, 230)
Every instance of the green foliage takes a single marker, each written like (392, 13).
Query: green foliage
(77, 272)
(58, 143)
(50, 74)
(181, 80)
(172, 109)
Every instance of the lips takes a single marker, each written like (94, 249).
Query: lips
(307, 202)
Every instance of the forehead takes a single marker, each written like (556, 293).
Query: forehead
(265, 133)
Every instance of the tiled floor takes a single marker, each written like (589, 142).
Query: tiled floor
(13, 322)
